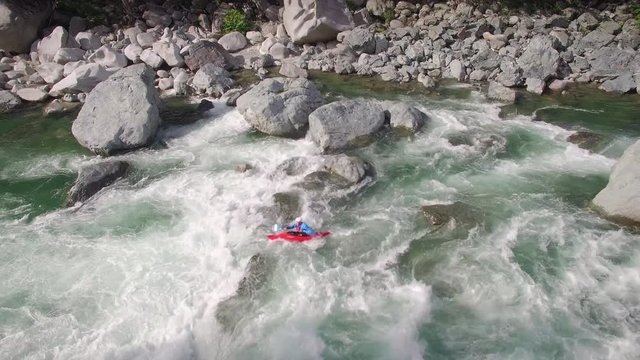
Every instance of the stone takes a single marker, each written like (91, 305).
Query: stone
(212, 80)
(152, 59)
(8, 101)
(587, 22)
(535, 86)
(343, 124)
(146, 39)
(486, 60)
(465, 216)
(121, 113)
(51, 72)
(233, 41)
(360, 39)
(133, 52)
(70, 66)
(58, 106)
(362, 17)
(180, 82)
(19, 25)
(313, 21)
(594, 40)
(558, 85)
(610, 27)
(585, 140)
(156, 17)
(379, 7)
(540, 60)
(49, 46)
(557, 21)
(88, 41)
(406, 117)
(65, 55)
(618, 200)
(165, 83)
(291, 70)
(622, 84)
(280, 106)
(278, 51)
(93, 178)
(563, 38)
(205, 52)
(32, 94)
(499, 92)
(610, 62)
(254, 37)
(426, 81)
(108, 58)
(169, 52)
(457, 70)
(77, 24)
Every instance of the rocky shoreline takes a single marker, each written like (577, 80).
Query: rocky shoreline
(118, 72)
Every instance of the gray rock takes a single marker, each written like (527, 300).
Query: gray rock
(108, 58)
(610, 27)
(77, 24)
(457, 70)
(291, 70)
(254, 37)
(426, 81)
(406, 117)
(354, 170)
(594, 40)
(180, 82)
(32, 94)
(8, 101)
(586, 22)
(66, 55)
(280, 106)
(558, 21)
(465, 216)
(95, 177)
(152, 59)
(498, 92)
(535, 86)
(622, 84)
(71, 66)
(313, 21)
(19, 25)
(169, 52)
(157, 17)
(278, 51)
(379, 7)
(558, 85)
(360, 39)
(165, 83)
(563, 38)
(88, 41)
(145, 39)
(486, 60)
(120, 113)
(344, 124)
(133, 52)
(82, 79)
(618, 201)
(585, 140)
(478, 75)
(610, 61)
(50, 72)
(540, 60)
(212, 80)
(49, 46)
(362, 17)
(205, 52)
(233, 41)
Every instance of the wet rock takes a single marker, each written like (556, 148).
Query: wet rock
(231, 97)
(535, 86)
(120, 113)
(622, 84)
(540, 60)
(280, 106)
(243, 168)
(341, 170)
(441, 214)
(206, 52)
(287, 205)
(8, 101)
(58, 106)
(585, 140)
(406, 117)
(344, 124)
(180, 111)
(95, 177)
(316, 21)
(212, 80)
(498, 92)
(32, 94)
(618, 200)
(558, 85)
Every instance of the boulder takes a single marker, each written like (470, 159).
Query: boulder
(486, 59)
(180, 82)
(82, 79)
(120, 113)
(50, 72)
(457, 70)
(233, 41)
(343, 124)
(212, 80)
(618, 201)
(19, 25)
(156, 16)
(95, 177)
(152, 59)
(71, 66)
(622, 84)
(558, 85)
(58, 106)
(349, 169)
(405, 117)
(254, 37)
(585, 140)
(169, 52)
(540, 60)
(587, 22)
(32, 94)
(464, 215)
(88, 41)
(108, 58)
(535, 86)
(498, 92)
(594, 40)
(66, 55)
(8, 101)
(205, 52)
(133, 52)
(146, 39)
(361, 40)
(292, 70)
(312, 21)
(49, 46)
(609, 62)
(280, 106)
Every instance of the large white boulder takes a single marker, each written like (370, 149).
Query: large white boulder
(32, 94)
(19, 25)
(133, 52)
(49, 46)
(66, 55)
(233, 41)
(108, 57)
(121, 113)
(312, 21)
(82, 79)
(169, 52)
(88, 41)
(620, 199)
(50, 72)
(152, 59)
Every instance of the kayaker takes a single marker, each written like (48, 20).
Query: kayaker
(300, 226)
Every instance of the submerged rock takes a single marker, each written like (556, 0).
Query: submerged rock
(441, 214)
(618, 201)
(287, 205)
(93, 178)
(585, 140)
(405, 117)
(121, 113)
(180, 111)
(8, 101)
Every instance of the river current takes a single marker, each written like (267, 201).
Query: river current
(141, 270)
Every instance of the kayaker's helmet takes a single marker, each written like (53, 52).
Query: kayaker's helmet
(299, 219)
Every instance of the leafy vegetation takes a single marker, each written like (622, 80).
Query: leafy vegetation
(235, 20)
(388, 15)
(636, 12)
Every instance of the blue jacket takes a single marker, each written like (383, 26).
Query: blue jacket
(302, 227)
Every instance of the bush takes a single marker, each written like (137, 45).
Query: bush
(235, 20)
(636, 12)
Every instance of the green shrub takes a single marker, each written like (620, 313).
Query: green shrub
(235, 20)
(636, 12)
(388, 15)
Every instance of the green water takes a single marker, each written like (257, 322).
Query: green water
(525, 270)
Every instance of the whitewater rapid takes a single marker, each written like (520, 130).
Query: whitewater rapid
(140, 270)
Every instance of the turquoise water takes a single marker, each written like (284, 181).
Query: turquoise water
(143, 269)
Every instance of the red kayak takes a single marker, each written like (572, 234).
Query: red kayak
(296, 236)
